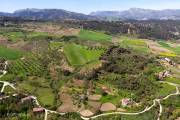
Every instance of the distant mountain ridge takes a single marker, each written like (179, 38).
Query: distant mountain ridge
(60, 14)
(48, 14)
(140, 14)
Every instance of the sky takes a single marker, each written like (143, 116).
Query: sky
(87, 6)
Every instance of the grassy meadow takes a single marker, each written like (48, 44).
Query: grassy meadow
(80, 55)
(93, 36)
(134, 43)
(9, 54)
(164, 44)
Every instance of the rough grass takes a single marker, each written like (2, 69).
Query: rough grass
(173, 80)
(9, 54)
(55, 45)
(166, 89)
(45, 96)
(15, 36)
(173, 105)
(36, 34)
(150, 115)
(40, 88)
(80, 55)
(10, 90)
(94, 36)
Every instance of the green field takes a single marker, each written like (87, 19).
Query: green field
(166, 89)
(40, 88)
(150, 115)
(173, 80)
(30, 65)
(173, 49)
(55, 45)
(93, 36)
(9, 54)
(31, 35)
(135, 44)
(80, 55)
(15, 36)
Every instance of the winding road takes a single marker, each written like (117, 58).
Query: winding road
(155, 101)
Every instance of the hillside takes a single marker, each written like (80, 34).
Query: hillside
(139, 14)
(55, 70)
(48, 14)
(131, 14)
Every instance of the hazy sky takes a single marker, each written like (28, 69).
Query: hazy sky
(87, 6)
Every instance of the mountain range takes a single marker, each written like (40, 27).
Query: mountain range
(60, 14)
(140, 14)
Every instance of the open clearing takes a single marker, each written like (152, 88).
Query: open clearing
(135, 44)
(175, 49)
(94, 36)
(9, 54)
(80, 55)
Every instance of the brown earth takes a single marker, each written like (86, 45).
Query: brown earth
(94, 106)
(108, 107)
(51, 28)
(67, 104)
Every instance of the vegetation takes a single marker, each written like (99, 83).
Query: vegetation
(55, 45)
(79, 64)
(10, 54)
(30, 65)
(94, 36)
(151, 115)
(172, 109)
(166, 89)
(80, 55)
(133, 72)
(166, 45)
(135, 44)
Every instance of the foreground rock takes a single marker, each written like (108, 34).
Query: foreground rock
(107, 107)
(86, 113)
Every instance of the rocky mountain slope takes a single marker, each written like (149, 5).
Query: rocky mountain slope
(140, 14)
(59, 14)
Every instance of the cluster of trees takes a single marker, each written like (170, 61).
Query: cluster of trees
(128, 71)
(153, 29)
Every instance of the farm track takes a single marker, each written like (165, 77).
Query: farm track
(155, 101)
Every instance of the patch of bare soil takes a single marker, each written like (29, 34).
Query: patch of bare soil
(67, 67)
(67, 103)
(78, 83)
(155, 47)
(53, 72)
(4, 41)
(108, 107)
(94, 106)
(21, 45)
(115, 40)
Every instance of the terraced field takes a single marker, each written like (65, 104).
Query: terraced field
(27, 66)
